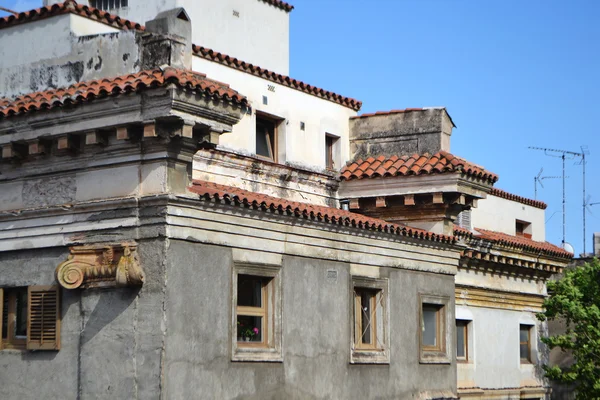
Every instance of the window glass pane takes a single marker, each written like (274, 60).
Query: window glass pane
(21, 313)
(249, 291)
(524, 350)
(524, 336)
(265, 138)
(461, 329)
(430, 325)
(249, 329)
(367, 314)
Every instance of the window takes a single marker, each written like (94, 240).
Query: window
(370, 323)
(257, 314)
(107, 5)
(330, 142)
(30, 318)
(433, 332)
(523, 228)
(462, 340)
(266, 138)
(525, 343)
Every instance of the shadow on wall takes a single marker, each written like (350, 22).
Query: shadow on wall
(101, 308)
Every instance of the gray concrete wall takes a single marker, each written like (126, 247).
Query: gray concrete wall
(111, 340)
(316, 333)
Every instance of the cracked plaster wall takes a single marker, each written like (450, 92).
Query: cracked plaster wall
(316, 333)
(58, 56)
(111, 340)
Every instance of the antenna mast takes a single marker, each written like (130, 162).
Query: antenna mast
(563, 155)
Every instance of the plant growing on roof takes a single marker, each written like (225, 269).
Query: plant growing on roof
(576, 299)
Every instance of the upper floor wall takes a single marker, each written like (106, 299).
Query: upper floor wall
(251, 30)
(512, 217)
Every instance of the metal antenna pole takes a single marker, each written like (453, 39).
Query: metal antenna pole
(563, 156)
(584, 151)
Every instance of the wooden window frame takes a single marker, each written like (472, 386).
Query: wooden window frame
(12, 341)
(464, 326)
(376, 352)
(525, 226)
(269, 349)
(438, 354)
(274, 147)
(528, 359)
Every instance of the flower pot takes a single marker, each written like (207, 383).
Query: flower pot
(247, 339)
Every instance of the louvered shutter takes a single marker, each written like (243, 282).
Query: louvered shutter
(1, 317)
(43, 319)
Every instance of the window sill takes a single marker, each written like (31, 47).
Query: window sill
(260, 354)
(370, 357)
(434, 358)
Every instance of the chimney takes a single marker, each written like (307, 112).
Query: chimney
(400, 132)
(168, 40)
(597, 244)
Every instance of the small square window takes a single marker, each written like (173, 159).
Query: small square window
(462, 340)
(525, 343)
(266, 138)
(433, 336)
(523, 228)
(256, 329)
(370, 332)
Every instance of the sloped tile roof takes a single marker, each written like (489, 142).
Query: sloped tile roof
(284, 80)
(523, 200)
(69, 7)
(391, 112)
(280, 4)
(136, 82)
(416, 164)
(240, 197)
(515, 242)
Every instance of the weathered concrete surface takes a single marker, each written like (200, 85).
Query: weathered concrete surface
(316, 333)
(400, 133)
(111, 340)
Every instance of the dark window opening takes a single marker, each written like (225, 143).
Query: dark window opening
(266, 141)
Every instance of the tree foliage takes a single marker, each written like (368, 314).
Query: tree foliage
(576, 300)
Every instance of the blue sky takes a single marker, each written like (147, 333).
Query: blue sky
(512, 74)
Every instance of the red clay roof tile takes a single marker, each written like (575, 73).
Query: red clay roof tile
(516, 242)
(136, 82)
(69, 7)
(284, 80)
(509, 196)
(280, 4)
(209, 190)
(415, 164)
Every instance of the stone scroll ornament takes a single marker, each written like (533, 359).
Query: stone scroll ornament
(98, 266)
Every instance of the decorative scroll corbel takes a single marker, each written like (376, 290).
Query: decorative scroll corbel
(107, 265)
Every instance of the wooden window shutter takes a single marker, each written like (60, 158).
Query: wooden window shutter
(43, 318)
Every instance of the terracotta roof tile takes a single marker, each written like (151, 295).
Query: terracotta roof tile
(136, 82)
(284, 80)
(509, 196)
(209, 190)
(69, 7)
(516, 242)
(280, 4)
(415, 164)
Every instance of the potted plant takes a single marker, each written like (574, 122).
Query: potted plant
(245, 333)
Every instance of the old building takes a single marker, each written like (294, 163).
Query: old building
(178, 223)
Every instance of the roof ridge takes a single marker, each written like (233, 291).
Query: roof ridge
(515, 197)
(216, 191)
(131, 82)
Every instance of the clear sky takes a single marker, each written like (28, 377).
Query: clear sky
(512, 74)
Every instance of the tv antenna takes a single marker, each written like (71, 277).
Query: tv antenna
(564, 155)
(539, 178)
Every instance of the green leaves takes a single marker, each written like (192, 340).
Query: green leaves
(576, 300)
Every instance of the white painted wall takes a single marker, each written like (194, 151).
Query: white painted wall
(499, 214)
(296, 146)
(260, 35)
(494, 361)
